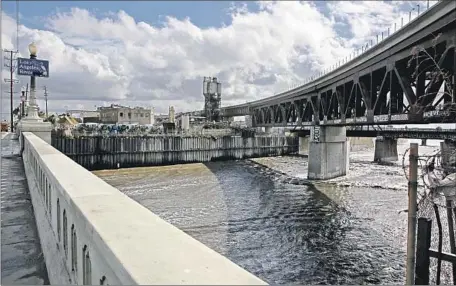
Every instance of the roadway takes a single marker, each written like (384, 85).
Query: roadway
(21, 260)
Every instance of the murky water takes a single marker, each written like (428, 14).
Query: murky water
(347, 231)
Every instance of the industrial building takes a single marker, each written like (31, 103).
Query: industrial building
(126, 115)
(212, 91)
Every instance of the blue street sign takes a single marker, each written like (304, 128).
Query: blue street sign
(32, 67)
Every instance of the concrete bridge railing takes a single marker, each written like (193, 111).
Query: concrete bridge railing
(91, 233)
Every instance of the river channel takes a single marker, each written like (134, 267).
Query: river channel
(347, 231)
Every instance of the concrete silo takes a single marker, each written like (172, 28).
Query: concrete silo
(212, 91)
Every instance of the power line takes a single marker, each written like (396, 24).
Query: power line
(17, 25)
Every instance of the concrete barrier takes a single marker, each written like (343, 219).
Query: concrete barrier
(98, 153)
(91, 233)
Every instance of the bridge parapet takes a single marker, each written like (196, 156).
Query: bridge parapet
(91, 233)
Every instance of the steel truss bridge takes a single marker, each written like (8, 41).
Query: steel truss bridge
(405, 133)
(396, 81)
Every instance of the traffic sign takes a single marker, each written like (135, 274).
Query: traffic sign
(32, 67)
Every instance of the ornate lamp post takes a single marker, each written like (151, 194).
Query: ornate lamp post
(33, 107)
(32, 122)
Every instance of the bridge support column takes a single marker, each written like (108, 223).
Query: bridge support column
(423, 142)
(448, 153)
(328, 153)
(385, 149)
(303, 145)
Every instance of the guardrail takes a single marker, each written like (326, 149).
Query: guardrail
(98, 235)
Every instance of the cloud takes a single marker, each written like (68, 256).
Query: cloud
(95, 60)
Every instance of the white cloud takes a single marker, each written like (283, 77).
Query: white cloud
(117, 59)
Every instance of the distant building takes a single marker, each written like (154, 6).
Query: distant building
(212, 91)
(248, 121)
(126, 115)
(171, 117)
(160, 118)
(85, 116)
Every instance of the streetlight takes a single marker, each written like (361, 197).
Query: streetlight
(46, 99)
(32, 50)
(32, 112)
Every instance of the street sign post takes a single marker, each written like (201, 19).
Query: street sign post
(32, 67)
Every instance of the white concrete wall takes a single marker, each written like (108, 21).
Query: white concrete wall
(126, 243)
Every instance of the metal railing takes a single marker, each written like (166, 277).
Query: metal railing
(365, 47)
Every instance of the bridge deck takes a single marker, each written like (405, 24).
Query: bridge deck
(21, 260)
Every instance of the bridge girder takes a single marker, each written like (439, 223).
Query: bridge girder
(402, 88)
(398, 84)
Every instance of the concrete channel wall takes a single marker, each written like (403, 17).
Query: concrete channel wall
(97, 153)
(91, 233)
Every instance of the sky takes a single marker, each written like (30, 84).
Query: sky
(155, 54)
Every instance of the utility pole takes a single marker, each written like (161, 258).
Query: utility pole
(46, 100)
(412, 208)
(10, 64)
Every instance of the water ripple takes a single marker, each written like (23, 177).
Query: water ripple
(284, 232)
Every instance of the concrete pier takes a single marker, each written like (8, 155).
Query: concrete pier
(423, 142)
(385, 149)
(328, 152)
(303, 146)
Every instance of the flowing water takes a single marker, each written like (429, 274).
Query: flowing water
(346, 231)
